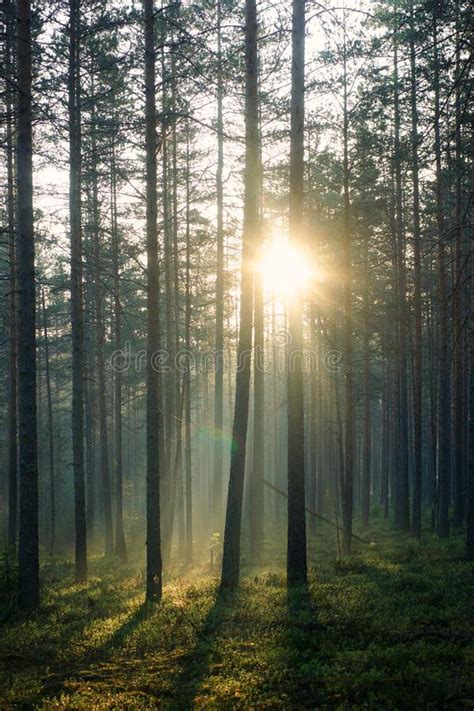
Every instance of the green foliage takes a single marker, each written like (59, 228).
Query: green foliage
(388, 628)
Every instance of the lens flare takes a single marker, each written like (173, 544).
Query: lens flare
(286, 270)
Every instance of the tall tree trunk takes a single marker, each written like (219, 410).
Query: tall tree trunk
(444, 415)
(367, 418)
(106, 493)
(219, 346)
(187, 376)
(296, 565)
(90, 405)
(153, 541)
(276, 438)
(171, 402)
(28, 558)
(418, 359)
(385, 455)
(77, 315)
(403, 508)
(178, 485)
(315, 394)
(458, 312)
(470, 481)
(231, 550)
(348, 472)
(52, 478)
(9, 17)
(256, 503)
(120, 546)
(256, 481)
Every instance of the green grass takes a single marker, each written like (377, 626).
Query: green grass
(390, 628)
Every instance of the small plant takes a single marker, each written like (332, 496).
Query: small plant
(215, 548)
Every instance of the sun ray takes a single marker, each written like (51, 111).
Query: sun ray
(286, 270)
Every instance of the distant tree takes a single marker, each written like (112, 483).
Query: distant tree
(49, 400)
(120, 545)
(444, 387)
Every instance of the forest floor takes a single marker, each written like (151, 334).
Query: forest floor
(390, 628)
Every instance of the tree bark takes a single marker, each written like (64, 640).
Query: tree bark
(77, 315)
(296, 552)
(52, 478)
(231, 549)
(403, 506)
(418, 356)
(458, 313)
(348, 471)
(153, 542)
(470, 481)
(120, 546)
(105, 485)
(219, 346)
(258, 429)
(444, 415)
(9, 18)
(367, 418)
(187, 381)
(28, 557)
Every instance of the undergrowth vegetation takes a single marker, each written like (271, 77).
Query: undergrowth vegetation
(390, 628)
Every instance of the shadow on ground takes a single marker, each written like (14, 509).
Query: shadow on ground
(301, 647)
(196, 664)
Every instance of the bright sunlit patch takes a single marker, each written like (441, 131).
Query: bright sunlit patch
(286, 270)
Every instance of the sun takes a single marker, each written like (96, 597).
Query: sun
(286, 270)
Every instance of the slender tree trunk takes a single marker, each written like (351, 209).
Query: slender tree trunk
(444, 415)
(276, 415)
(256, 503)
(296, 553)
(106, 493)
(187, 381)
(433, 393)
(256, 483)
(321, 465)
(219, 366)
(171, 403)
(120, 546)
(178, 485)
(231, 550)
(385, 456)
(458, 313)
(77, 315)
(52, 478)
(153, 542)
(348, 472)
(367, 418)
(9, 14)
(28, 558)
(90, 405)
(418, 358)
(315, 375)
(470, 481)
(402, 474)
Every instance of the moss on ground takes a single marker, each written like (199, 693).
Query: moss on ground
(390, 628)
